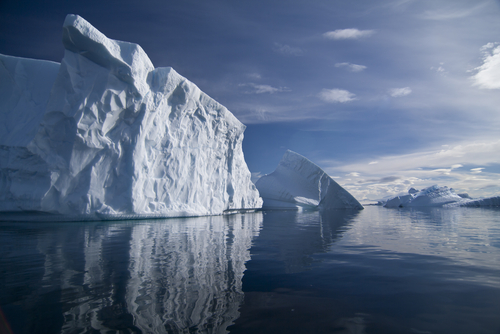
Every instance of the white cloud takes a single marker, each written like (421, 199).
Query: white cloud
(336, 95)
(351, 67)
(397, 92)
(488, 74)
(255, 76)
(395, 174)
(288, 50)
(261, 89)
(348, 33)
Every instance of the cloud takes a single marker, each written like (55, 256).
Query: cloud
(351, 67)
(387, 179)
(395, 174)
(262, 89)
(336, 95)
(440, 69)
(256, 176)
(488, 74)
(288, 50)
(397, 92)
(452, 13)
(348, 34)
(255, 76)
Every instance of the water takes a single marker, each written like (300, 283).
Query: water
(373, 271)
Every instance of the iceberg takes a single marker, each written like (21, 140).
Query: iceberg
(297, 183)
(435, 196)
(105, 134)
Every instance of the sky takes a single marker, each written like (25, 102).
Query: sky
(382, 95)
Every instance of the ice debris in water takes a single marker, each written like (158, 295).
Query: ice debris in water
(106, 135)
(299, 183)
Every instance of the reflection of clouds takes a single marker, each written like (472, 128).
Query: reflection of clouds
(175, 275)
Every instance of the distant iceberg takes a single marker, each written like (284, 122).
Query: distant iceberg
(436, 196)
(106, 135)
(300, 184)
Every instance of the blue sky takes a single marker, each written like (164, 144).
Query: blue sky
(383, 95)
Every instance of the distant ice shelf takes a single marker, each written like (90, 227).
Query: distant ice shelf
(106, 135)
(300, 184)
(436, 196)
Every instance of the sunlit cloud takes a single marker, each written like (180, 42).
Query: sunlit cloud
(348, 34)
(262, 89)
(254, 76)
(396, 174)
(398, 92)
(488, 74)
(336, 95)
(288, 50)
(351, 67)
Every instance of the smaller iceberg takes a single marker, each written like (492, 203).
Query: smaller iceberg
(297, 183)
(436, 196)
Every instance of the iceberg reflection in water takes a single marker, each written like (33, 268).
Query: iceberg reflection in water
(378, 270)
(156, 276)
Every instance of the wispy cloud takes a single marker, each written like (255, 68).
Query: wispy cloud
(336, 95)
(263, 89)
(397, 92)
(288, 50)
(351, 67)
(394, 174)
(488, 74)
(254, 76)
(451, 13)
(351, 33)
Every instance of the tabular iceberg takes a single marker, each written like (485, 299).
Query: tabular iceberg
(299, 183)
(106, 135)
(435, 196)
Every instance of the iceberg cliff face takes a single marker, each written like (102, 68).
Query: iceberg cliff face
(299, 183)
(118, 137)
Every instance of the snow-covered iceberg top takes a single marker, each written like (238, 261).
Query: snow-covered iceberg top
(299, 183)
(436, 196)
(106, 135)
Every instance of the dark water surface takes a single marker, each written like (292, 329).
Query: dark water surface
(374, 271)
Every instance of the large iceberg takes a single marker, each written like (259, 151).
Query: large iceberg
(298, 183)
(435, 196)
(105, 135)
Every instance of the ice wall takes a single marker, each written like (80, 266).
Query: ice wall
(117, 138)
(299, 183)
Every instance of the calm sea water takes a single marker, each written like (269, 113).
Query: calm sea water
(373, 271)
